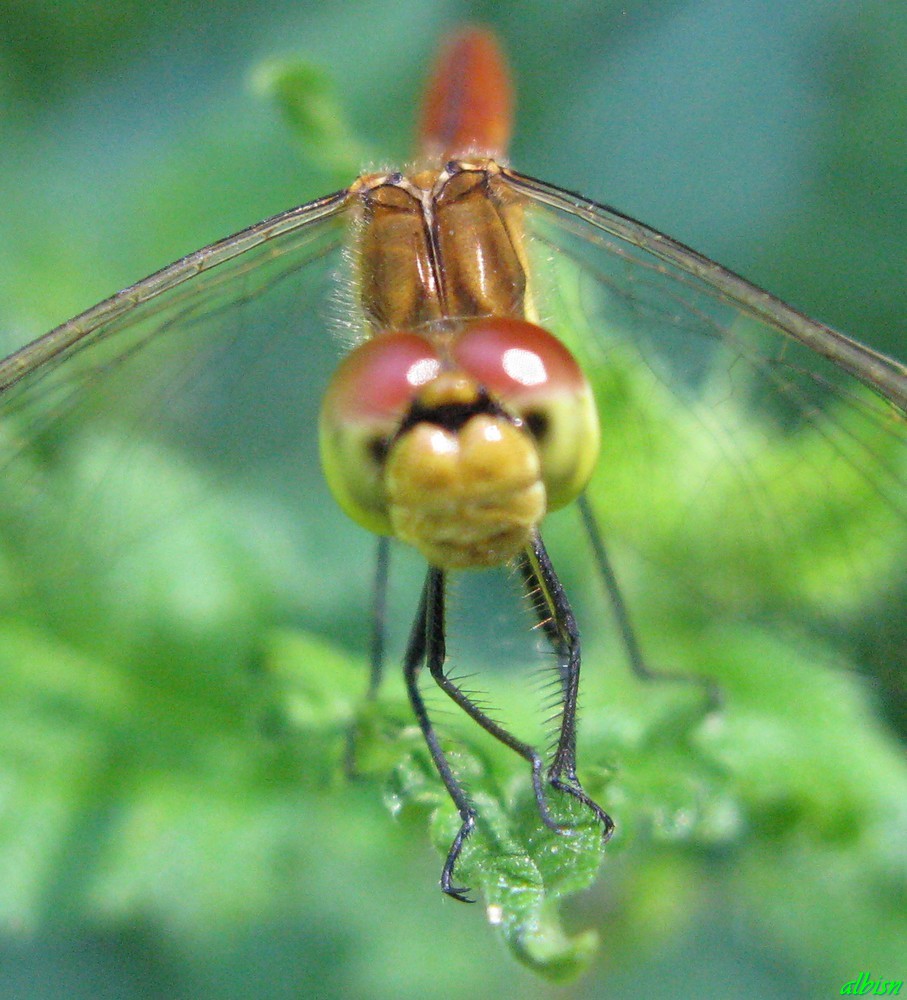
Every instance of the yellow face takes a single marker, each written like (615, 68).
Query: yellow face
(459, 440)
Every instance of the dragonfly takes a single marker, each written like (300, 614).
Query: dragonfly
(509, 349)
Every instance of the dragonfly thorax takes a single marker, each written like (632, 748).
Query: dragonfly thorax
(437, 244)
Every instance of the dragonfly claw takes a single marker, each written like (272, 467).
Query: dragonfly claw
(458, 892)
(577, 792)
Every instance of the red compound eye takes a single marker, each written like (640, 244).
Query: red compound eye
(533, 376)
(365, 402)
(378, 379)
(517, 361)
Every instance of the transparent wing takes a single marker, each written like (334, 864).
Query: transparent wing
(156, 417)
(753, 480)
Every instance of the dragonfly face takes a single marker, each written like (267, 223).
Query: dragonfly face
(753, 463)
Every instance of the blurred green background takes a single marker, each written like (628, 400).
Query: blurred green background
(767, 136)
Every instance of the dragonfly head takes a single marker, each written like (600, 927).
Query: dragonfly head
(459, 441)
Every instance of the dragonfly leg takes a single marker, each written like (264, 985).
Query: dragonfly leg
(556, 618)
(711, 691)
(427, 639)
(436, 656)
(376, 646)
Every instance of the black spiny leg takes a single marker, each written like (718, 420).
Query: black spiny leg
(556, 618)
(453, 691)
(426, 640)
(427, 643)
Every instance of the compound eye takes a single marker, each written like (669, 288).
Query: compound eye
(533, 376)
(365, 403)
